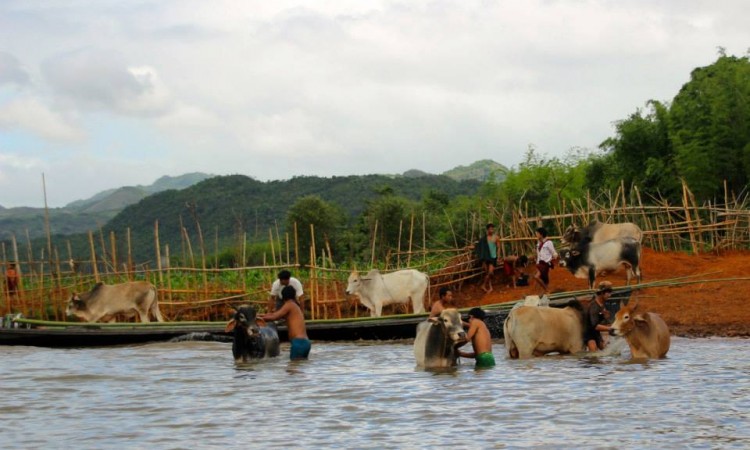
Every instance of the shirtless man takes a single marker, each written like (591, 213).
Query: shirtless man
(445, 301)
(480, 338)
(295, 323)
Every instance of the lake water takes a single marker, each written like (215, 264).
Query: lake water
(188, 395)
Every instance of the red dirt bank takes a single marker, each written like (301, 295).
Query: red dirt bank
(697, 310)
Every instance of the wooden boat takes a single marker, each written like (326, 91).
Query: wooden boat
(404, 326)
(72, 334)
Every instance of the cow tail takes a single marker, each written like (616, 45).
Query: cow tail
(155, 305)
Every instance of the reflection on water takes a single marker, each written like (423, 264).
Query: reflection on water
(365, 395)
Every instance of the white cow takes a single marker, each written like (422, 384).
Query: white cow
(376, 290)
(107, 300)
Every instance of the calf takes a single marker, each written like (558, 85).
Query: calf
(586, 259)
(438, 339)
(646, 333)
(252, 338)
(534, 331)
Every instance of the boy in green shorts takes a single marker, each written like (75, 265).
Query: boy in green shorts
(480, 338)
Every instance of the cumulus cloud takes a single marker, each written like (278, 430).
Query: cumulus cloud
(99, 79)
(31, 115)
(11, 71)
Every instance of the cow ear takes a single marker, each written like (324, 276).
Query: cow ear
(433, 320)
(640, 321)
(575, 252)
(260, 322)
(230, 326)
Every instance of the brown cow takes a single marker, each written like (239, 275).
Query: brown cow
(535, 331)
(647, 333)
(108, 300)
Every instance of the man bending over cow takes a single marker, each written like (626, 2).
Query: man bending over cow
(295, 323)
(481, 341)
(545, 254)
(445, 301)
(597, 318)
(286, 279)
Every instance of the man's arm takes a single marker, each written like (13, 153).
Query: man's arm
(276, 315)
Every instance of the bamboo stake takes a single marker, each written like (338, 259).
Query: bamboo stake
(398, 255)
(411, 236)
(130, 255)
(273, 246)
(157, 245)
(374, 239)
(93, 257)
(113, 251)
(296, 246)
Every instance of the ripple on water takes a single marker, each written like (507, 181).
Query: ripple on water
(370, 395)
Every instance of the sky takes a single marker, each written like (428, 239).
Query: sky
(98, 94)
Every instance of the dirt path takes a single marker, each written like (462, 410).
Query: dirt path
(702, 309)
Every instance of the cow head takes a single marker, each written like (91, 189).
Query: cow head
(353, 283)
(245, 319)
(627, 319)
(572, 259)
(75, 306)
(571, 235)
(450, 320)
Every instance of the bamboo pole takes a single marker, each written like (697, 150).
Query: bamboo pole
(169, 278)
(47, 228)
(20, 295)
(296, 246)
(113, 251)
(157, 245)
(273, 246)
(398, 255)
(411, 236)
(93, 257)
(424, 237)
(374, 239)
(130, 255)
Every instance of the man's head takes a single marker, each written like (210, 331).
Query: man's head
(288, 293)
(541, 231)
(490, 227)
(445, 293)
(284, 276)
(604, 287)
(477, 313)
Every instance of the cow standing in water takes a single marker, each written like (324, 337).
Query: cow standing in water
(376, 290)
(134, 297)
(646, 333)
(438, 339)
(252, 338)
(535, 331)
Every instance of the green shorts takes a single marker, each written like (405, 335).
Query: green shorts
(485, 359)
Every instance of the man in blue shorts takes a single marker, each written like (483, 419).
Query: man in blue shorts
(295, 323)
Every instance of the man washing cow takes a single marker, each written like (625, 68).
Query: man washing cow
(597, 318)
(481, 340)
(295, 322)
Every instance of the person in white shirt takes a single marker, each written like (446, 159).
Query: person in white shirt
(286, 279)
(545, 256)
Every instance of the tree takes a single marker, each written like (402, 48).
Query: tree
(327, 220)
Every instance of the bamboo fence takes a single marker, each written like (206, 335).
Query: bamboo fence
(193, 290)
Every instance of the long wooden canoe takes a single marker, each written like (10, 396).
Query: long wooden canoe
(72, 334)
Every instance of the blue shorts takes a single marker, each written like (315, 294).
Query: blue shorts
(300, 348)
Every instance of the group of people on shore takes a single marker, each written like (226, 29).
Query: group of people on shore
(513, 266)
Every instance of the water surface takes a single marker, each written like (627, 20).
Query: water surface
(364, 395)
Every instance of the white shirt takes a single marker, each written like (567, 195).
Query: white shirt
(276, 287)
(547, 253)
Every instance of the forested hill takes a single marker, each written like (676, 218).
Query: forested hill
(233, 204)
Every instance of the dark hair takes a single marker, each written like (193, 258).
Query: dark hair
(489, 225)
(288, 293)
(285, 275)
(542, 231)
(522, 260)
(477, 313)
(443, 291)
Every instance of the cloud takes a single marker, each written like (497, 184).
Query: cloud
(95, 79)
(11, 71)
(31, 115)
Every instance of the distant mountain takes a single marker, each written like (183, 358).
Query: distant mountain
(224, 205)
(415, 173)
(83, 215)
(482, 170)
(119, 198)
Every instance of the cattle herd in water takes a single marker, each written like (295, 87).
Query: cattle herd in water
(530, 330)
